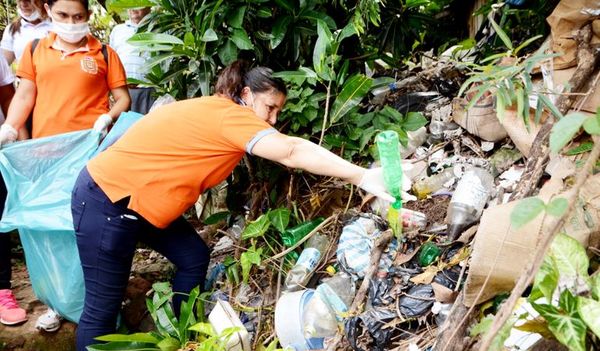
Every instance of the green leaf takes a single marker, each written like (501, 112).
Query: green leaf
(248, 259)
(568, 329)
(589, 311)
(505, 39)
(241, 39)
(203, 328)
(123, 346)
(320, 51)
(484, 326)
(279, 30)
(545, 280)
(366, 137)
(526, 43)
(565, 129)
(596, 286)
(140, 39)
(546, 102)
(500, 107)
(557, 207)
(592, 125)
(237, 17)
(414, 121)
(582, 148)
(570, 258)
(280, 218)
(169, 344)
(209, 35)
(187, 317)
(120, 5)
(188, 39)
(256, 228)
(525, 211)
(217, 217)
(315, 16)
(137, 337)
(352, 93)
(228, 52)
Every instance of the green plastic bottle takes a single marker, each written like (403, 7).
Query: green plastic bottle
(429, 253)
(293, 235)
(389, 156)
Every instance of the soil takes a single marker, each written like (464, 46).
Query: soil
(434, 207)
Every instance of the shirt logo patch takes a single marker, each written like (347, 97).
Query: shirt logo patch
(89, 65)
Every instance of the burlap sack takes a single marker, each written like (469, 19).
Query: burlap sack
(480, 119)
(513, 248)
(567, 17)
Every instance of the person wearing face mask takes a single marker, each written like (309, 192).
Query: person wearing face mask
(138, 189)
(65, 86)
(133, 60)
(32, 23)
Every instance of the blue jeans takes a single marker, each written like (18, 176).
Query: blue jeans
(107, 235)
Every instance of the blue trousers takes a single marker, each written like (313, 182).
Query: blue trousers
(107, 235)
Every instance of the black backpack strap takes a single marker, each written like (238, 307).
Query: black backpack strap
(34, 45)
(105, 53)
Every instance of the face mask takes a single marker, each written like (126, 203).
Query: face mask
(35, 15)
(243, 103)
(71, 33)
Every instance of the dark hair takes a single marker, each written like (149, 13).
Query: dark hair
(15, 26)
(85, 3)
(237, 75)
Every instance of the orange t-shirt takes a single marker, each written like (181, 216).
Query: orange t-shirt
(72, 89)
(169, 157)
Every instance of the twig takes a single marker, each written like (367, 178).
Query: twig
(323, 127)
(301, 241)
(380, 245)
(533, 266)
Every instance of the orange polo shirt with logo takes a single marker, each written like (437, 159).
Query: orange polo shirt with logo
(72, 88)
(176, 152)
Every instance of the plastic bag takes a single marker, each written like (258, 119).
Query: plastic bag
(39, 176)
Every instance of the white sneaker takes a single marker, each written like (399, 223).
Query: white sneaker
(49, 321)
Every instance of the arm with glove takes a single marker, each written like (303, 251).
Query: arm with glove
(18, 112)
(296, 152)
(122, 102)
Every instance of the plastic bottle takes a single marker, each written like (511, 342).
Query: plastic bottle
(300, 274)
(389, 156)
(293, 235)
(413, 219)
(415, 139)
(324, 311)
(428, 253)
(426, 186)
(469, 199)
(381, 93)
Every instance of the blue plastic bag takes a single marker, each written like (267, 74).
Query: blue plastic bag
(39, 176)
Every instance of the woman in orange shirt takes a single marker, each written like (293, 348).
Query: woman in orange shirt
(138, 189)
(66, 79)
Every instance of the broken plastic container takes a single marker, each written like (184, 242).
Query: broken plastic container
(222, 317)
(324, 311)
(289, 315)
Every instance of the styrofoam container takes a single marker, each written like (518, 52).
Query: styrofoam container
(289, 327)
(222, 317)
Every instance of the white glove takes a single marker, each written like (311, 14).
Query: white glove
(8, 134)
(102, 123)
(372, 182)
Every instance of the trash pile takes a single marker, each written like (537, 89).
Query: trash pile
(325, 290)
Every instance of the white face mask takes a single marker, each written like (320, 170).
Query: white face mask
(70, 32)
(35, 15)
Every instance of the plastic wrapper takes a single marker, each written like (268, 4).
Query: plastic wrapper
(417, 301)
(380, 291)
(39, 176)
(372, 322)
(355, 245)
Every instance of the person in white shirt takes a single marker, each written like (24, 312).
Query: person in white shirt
(133, 60)
(32, 23)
